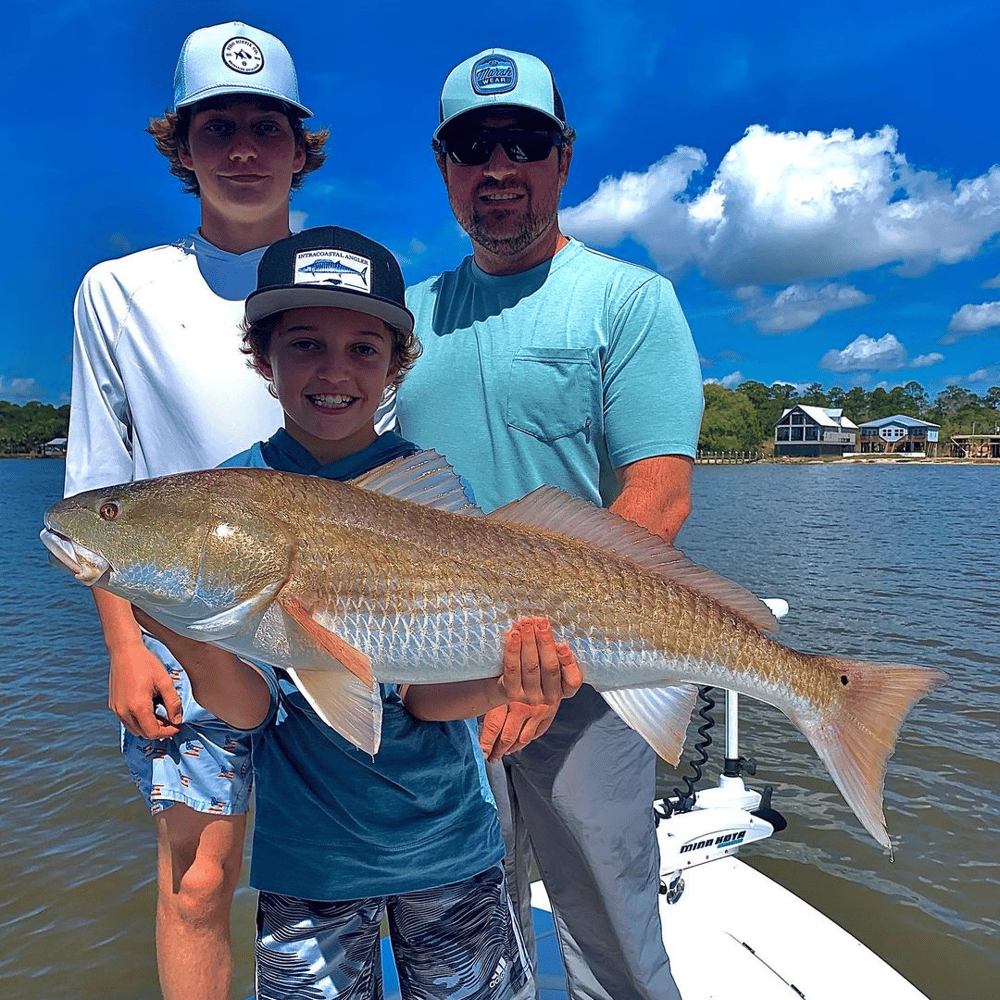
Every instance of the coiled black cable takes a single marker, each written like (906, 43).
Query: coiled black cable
(683, 801)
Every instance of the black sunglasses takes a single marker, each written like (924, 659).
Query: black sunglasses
(473, 149)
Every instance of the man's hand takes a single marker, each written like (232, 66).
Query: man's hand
(137, 681)
(538, 673)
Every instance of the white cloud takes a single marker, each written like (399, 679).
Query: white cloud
(992, 282)
(16, 390)
(925, 360)
(797, 306)
(787, 207)
(972, 319)
(865, 353)
(988, 376)
(649, 207)
(799, 387)
(728, 381)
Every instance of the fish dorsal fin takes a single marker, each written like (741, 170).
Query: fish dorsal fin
(425, 478)
(551, 509)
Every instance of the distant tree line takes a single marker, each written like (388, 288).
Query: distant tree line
(24, 429)
(740, 419)
(743, 419)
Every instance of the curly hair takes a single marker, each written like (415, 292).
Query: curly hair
(257, 345)
(170, 133)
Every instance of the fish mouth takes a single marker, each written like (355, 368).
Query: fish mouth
(88, 567)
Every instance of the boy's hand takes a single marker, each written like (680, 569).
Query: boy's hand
(221, 682)
(137, 680)
(138, 683)
(538, 673)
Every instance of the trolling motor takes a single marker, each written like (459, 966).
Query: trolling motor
(714, 822)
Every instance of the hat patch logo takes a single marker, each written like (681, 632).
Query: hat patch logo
(242, 55)
(333, 267)
(494, 75)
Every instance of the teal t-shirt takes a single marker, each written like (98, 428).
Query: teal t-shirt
(558, 375)
(333, 823)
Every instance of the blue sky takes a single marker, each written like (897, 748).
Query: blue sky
(821, 180)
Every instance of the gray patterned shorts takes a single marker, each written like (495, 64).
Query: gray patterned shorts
(456, 942)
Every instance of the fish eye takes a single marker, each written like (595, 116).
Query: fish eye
(108, 511)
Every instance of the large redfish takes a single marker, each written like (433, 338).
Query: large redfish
(395, 578)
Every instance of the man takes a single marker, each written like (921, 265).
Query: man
(160, 386)
(545, 362)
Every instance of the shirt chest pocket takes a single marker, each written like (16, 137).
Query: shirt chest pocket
(553, 392)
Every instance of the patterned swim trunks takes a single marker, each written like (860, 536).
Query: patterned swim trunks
(206, 765)
(455, 942)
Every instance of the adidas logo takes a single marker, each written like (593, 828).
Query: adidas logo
(498, 973)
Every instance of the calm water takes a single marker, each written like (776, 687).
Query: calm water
(891, 562)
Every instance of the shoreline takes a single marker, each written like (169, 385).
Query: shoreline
(852, 460)
(767, 460)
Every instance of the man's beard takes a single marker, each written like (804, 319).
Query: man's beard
(482, 230)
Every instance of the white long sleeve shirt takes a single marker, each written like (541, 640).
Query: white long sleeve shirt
(159, 382)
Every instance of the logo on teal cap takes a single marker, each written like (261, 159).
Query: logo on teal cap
(494, 75)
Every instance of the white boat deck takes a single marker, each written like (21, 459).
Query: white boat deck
(734, 933)
(731, 932)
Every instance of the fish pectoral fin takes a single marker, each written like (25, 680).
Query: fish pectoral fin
(425, 478)
(353, 660)
(344, 703)
(660, 715)
(227, 622)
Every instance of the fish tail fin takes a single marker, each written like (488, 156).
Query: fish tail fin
(857, 740)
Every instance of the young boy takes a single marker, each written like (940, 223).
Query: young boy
(159, 386)
(342, 839)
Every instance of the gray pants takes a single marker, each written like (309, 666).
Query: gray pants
(580, 799)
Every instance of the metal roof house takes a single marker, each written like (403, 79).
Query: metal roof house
(813, 432)
(900, 435)
(57, 446)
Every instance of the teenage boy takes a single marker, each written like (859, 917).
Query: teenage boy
(545, 362)
(160, 386)
(342, 839)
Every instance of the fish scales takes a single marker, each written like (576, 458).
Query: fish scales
(510, 572)
(601, 601)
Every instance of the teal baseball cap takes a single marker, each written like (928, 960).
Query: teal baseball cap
(500, 78)
(235, 58)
